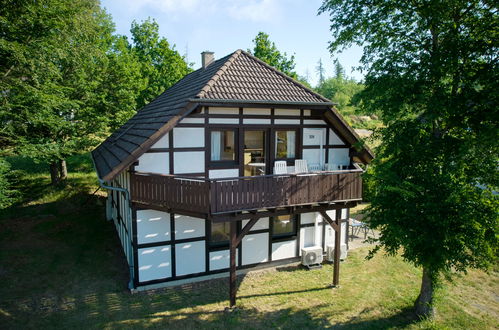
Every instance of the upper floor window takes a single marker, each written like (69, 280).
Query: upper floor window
(285, 144)
(223, 145)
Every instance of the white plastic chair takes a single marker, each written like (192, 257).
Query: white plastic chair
(301, 166)
(315, 167)
(281, 167)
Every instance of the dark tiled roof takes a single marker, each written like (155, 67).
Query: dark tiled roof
(136, 132)
(249, 79)
(238, 77)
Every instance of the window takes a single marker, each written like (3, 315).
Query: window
(254, 152)
(223, 145)
(285, 144)
(284, 226)
(220, 233)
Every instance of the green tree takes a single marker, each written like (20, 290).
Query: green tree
(51, 53)
(267, 51)
(432, 73)
(339, 70)
(122, 82)
(320, 71)
(161, 65)
(341, 90)
(6, 191)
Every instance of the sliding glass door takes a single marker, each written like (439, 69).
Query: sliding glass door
(255, 159)
(263, 146)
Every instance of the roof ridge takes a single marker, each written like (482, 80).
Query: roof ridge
(218, 74)
(297, 83)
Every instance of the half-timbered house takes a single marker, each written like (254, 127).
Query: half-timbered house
(234, 166)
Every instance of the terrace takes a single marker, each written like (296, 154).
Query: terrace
(219, 198)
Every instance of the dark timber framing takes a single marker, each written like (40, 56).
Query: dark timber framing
(235, 216)
(237, 219)
(336, 224)
(187, 189)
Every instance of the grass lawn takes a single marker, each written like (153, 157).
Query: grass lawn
(61, 266)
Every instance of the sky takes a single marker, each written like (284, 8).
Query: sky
(223, 26)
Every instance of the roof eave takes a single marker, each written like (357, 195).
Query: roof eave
(188, 108)
(272, 102)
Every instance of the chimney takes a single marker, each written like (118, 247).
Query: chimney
(207, 58)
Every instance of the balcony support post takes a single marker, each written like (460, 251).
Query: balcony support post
(337, 249)
(232, 276)
(336, 224)
(235, 240)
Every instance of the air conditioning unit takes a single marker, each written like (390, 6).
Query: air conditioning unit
(311, 256)
(330, 252)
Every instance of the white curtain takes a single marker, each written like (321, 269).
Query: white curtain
(215, 145)
(291, 138)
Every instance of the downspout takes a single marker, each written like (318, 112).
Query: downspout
(128, 212)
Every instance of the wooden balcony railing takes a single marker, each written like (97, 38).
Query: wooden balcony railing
(217, 196)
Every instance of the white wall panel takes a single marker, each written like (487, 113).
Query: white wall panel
(331, 213)
(307, 237)
(262, 223)
(256, 111)
(221, 259)
(307, 217)
(314, 136)
(339, 156)
(330, 231)
(224, 111)
(343, 237)
(228, 173)
(190, 258)
(223, 120)
(312, 156)
(188, 162)
(154, 263)
(188, 137)
(334, 139)
(192, 121)
(329, 238)
(283, 250)
(318, 234)
(188, 227)
(314, 122)
(153, 226)
(255, 248)
(287, 121)
(163, 142)
(287, 112)
(154, 162)
(256, 121)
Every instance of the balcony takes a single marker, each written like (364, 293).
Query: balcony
(215, 197)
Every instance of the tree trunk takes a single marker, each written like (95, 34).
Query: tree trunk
(424, 303)
(54, 173)
(58, 171)
(63, 170)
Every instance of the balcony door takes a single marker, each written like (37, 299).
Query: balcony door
(255, 152)
(263, 146)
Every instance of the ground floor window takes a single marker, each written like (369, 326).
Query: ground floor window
(220, 233)
(284, 226)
